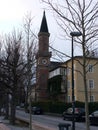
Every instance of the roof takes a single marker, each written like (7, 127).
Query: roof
(81, 57)
(54, 65)
(44, 27)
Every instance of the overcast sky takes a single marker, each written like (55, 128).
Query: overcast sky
(12, 13)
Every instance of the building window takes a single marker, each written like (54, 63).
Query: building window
(91, 98)
(74, 83)
(74, 67)
(69, 99)
(90, 68)
(91, 83)
(68, 71)
(74, 98)
(68, 84)
(63, 71)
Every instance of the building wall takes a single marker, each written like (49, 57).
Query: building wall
(78, 80)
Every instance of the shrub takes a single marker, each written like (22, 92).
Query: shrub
(59, 107)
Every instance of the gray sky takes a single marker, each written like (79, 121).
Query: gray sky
(13, 11)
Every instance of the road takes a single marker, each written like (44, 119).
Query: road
(52, 121)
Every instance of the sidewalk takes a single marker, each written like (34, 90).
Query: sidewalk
(36, 126)
(5, 124)
(3, 127)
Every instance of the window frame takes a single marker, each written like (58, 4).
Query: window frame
(68, 84)
(90, 68)
(91, 84)
(69, 98)
(92, 98)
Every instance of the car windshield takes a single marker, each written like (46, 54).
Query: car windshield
(77, 110)
(95, 113)
(69, 110)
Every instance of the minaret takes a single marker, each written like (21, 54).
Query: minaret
(43, 61)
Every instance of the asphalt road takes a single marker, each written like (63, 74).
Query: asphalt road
(52, 121)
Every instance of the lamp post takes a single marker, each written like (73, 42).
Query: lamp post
(73, 34)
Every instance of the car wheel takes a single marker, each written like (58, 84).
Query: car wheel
(78, 119)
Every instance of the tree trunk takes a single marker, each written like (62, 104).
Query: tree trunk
(86, 95)
(7, 107)
(13, 110)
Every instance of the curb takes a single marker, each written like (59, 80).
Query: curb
(38, 126)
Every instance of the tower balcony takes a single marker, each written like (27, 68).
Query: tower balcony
(43, 54)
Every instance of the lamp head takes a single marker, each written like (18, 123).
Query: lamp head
(77, 34)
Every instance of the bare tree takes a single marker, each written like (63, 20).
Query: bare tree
(14, 65)
(82, 16)
(31, 49)
(3, 91)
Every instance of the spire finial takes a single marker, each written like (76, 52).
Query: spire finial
(44, 27)
(44, 12)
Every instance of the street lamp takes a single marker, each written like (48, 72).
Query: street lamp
(73, 34)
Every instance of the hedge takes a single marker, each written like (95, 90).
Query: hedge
(59, 107)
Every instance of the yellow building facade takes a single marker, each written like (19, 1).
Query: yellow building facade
(91, 79)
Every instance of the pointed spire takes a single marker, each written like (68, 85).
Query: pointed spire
(44, 27)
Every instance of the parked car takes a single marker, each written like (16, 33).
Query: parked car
(35, 110)
(78, 114)
(94, 118)
(3, 111)
(22, 105)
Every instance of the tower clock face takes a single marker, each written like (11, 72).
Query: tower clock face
(44, 61)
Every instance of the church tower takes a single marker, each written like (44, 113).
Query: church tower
(43, 61)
